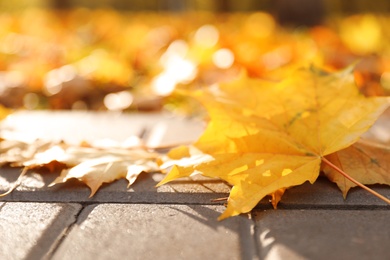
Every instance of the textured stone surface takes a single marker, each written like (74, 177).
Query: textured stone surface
(325, 194)
(321, 195)
(31, 230)
(34, 188)
(117, 231)
(323, 234)
(75, 127)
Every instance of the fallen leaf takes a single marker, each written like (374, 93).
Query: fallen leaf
(96, 166)
(17, 153)
(93, 166)
(264, 136)
(366, 162)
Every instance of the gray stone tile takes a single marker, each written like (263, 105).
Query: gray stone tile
(115, 231)
(198, 190)
(157, 129)
(323, 234)
(173, 130)
(75, 127)
(325, 194)
(72, 127)
(31, 230)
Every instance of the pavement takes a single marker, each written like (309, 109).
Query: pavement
(177, 220)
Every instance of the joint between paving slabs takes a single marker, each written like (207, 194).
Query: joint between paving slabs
(2, 204)
(248, 241)
(256, 238)
(57, 243)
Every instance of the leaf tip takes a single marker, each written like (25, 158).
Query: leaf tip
(93, 192)
(345, 193)
(174, 173)
(229, 212)
(276, 197)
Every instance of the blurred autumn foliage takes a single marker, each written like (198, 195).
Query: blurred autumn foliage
(121, 60)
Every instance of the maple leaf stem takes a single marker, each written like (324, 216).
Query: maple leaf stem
(220, 199)
(355, 181)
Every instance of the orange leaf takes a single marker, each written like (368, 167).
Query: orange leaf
(366, 162)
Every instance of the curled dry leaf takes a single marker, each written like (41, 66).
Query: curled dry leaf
(93, 166)
(365, 161)
(18, 153)
(264, 136)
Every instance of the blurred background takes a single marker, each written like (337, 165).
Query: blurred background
(136, 55)
(331, 6)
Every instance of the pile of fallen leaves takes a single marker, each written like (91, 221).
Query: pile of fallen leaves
(110, 60)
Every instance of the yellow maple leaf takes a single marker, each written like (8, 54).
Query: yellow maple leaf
(264, 136)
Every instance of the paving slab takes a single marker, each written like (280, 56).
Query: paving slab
(117, 231)
(32, 230)
(323, 234)
(323, 194)
(155, 129)
(73, 127)
(197, 190)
